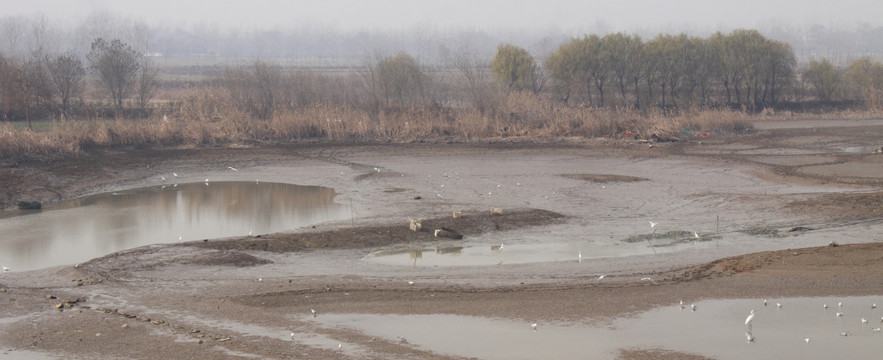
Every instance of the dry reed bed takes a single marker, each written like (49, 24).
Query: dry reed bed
(206, 117)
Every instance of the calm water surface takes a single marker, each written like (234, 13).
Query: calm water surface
(81, 229)
(715, 329)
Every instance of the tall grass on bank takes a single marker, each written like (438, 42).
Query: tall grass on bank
(205, 117)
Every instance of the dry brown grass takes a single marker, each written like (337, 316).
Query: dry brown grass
(205, 116)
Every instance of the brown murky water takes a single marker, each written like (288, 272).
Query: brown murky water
(85, 228)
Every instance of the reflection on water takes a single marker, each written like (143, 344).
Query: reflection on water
(716, 329)
(517, 253)
(82, 229)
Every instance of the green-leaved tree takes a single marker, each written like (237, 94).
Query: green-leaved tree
(516, 68)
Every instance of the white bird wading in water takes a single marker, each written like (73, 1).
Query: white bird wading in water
(749, 319)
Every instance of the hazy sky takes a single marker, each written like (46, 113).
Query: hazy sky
(564, 15)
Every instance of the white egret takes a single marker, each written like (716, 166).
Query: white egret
(533, 326)
(695, 234)
(652, 224)
(749, 319)
(601, 277)
(876, 329)
(864, 321)
(339, 347)
(649, 279)
(260, 279)
(779, 305)
(693, 307)
(873, 306)
(501, 246)
(175, 174)
(682, 304)
(314, 312)
(410, 283)
(292, 336)
(5, 269)
(807, 340)
(162, 177)
(764, 302)
(839, 314)
(845, 333)
(825, 306)
(233, 168)
(840, 304)
(579, 256)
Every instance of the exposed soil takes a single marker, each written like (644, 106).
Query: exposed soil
(771, 201)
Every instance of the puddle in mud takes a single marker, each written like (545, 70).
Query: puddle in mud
(862, 149)
(716, 329)
(519, 253)
(85, 228)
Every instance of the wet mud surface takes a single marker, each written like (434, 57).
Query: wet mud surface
(764, 206)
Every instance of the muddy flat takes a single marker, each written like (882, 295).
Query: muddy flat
(573, 235)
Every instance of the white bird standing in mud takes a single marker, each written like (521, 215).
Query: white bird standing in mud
(533, 326)
(314, 312)
(5, 269)
(579, 256)
(233, 168)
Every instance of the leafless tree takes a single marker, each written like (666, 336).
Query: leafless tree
(146, 83)
(66, 76)
(29, 86)
(116, 64)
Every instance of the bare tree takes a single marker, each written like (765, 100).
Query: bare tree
(29, 86)
(6, 90)
(476, 78)
(146, 84)
(66, 75)
(254, 89)
(116, 64)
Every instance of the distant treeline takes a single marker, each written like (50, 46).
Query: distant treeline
(741, 70)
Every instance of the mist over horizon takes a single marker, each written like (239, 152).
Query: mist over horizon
(345, 33)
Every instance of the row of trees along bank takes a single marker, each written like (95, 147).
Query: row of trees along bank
(742, 69)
